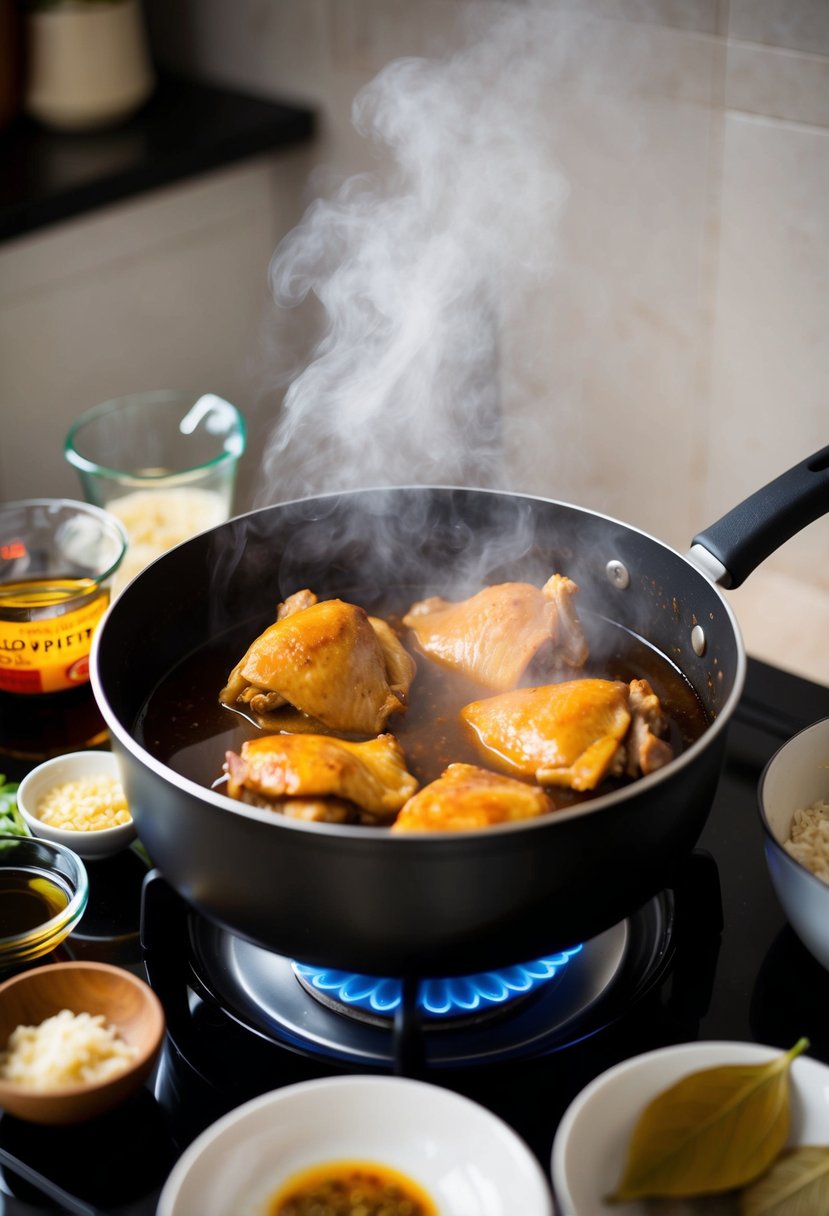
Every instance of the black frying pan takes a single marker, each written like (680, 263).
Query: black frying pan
(361, 898)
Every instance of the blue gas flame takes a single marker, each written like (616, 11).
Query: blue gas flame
(438, 998)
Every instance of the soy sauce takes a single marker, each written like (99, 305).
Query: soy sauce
(33, 729)
(28, 899)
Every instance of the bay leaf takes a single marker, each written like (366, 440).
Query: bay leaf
(715, 1130)
(796, 1185)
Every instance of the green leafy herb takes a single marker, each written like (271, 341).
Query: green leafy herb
(12, 822)
(796, 1185)
(138, 848)
(715, 1130)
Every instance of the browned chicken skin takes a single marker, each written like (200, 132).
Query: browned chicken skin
(327, 668)
(646, 751)
(572, 734)
(329, 660)
(317, 777)
(465, 798)
(495, 635)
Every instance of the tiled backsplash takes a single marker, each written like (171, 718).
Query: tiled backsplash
(676, 357)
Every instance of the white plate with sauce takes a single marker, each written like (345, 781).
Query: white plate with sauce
(590, 1146)
(466, 1160)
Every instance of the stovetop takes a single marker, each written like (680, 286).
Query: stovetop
(722, 964)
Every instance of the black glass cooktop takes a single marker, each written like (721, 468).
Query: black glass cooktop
(716, 961)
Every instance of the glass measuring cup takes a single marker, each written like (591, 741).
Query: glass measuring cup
(163, 462)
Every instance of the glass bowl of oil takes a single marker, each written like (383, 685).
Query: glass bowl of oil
(44, 889)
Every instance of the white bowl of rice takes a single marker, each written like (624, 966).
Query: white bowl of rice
(78, 800)
(794, 811)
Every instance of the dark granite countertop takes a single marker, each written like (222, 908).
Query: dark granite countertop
(184, 129)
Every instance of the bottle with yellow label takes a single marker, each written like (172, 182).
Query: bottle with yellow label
(57, 562)
(46, 627)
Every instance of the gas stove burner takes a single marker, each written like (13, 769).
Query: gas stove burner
(233, 982)
(459, 999)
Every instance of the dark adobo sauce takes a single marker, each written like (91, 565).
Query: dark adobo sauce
(184, 725)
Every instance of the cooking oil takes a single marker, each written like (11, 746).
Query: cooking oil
(28, 899)
(26, 599)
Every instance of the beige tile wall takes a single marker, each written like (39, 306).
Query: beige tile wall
(675, 358)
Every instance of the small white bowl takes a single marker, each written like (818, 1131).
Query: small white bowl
(464, 1157)
(590, 1146)
(796, 777)
(71, 767)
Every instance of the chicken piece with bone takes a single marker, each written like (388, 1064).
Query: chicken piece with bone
(465, 797)
(328, 659)
(320, 778)
(572, 734)
(495, 635)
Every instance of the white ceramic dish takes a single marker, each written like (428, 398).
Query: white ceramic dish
(590, 1146)
(797, 776)
(71, 767)
(467, 1160)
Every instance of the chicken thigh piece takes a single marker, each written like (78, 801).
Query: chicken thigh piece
(572, 734)
(646, 749)
(465, 797)
(317, 777)
(495, 635)
(329, 660)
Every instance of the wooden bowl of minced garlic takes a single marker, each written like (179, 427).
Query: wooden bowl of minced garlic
(78, 801)
(76, 1040)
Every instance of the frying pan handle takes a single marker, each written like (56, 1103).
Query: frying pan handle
(735, 545)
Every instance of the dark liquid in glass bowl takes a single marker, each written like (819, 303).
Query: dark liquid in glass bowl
(28, 898)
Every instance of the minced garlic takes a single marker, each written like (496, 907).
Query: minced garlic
(85, 805)
(65, 1049)
(158, 519)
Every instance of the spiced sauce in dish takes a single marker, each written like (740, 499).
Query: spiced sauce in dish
(342, 1188)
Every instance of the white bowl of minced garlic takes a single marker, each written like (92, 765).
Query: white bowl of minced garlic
(78, 800)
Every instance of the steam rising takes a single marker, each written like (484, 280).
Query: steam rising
(416, 268)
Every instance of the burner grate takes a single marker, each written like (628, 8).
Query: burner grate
(238, 993)
(236, 980)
